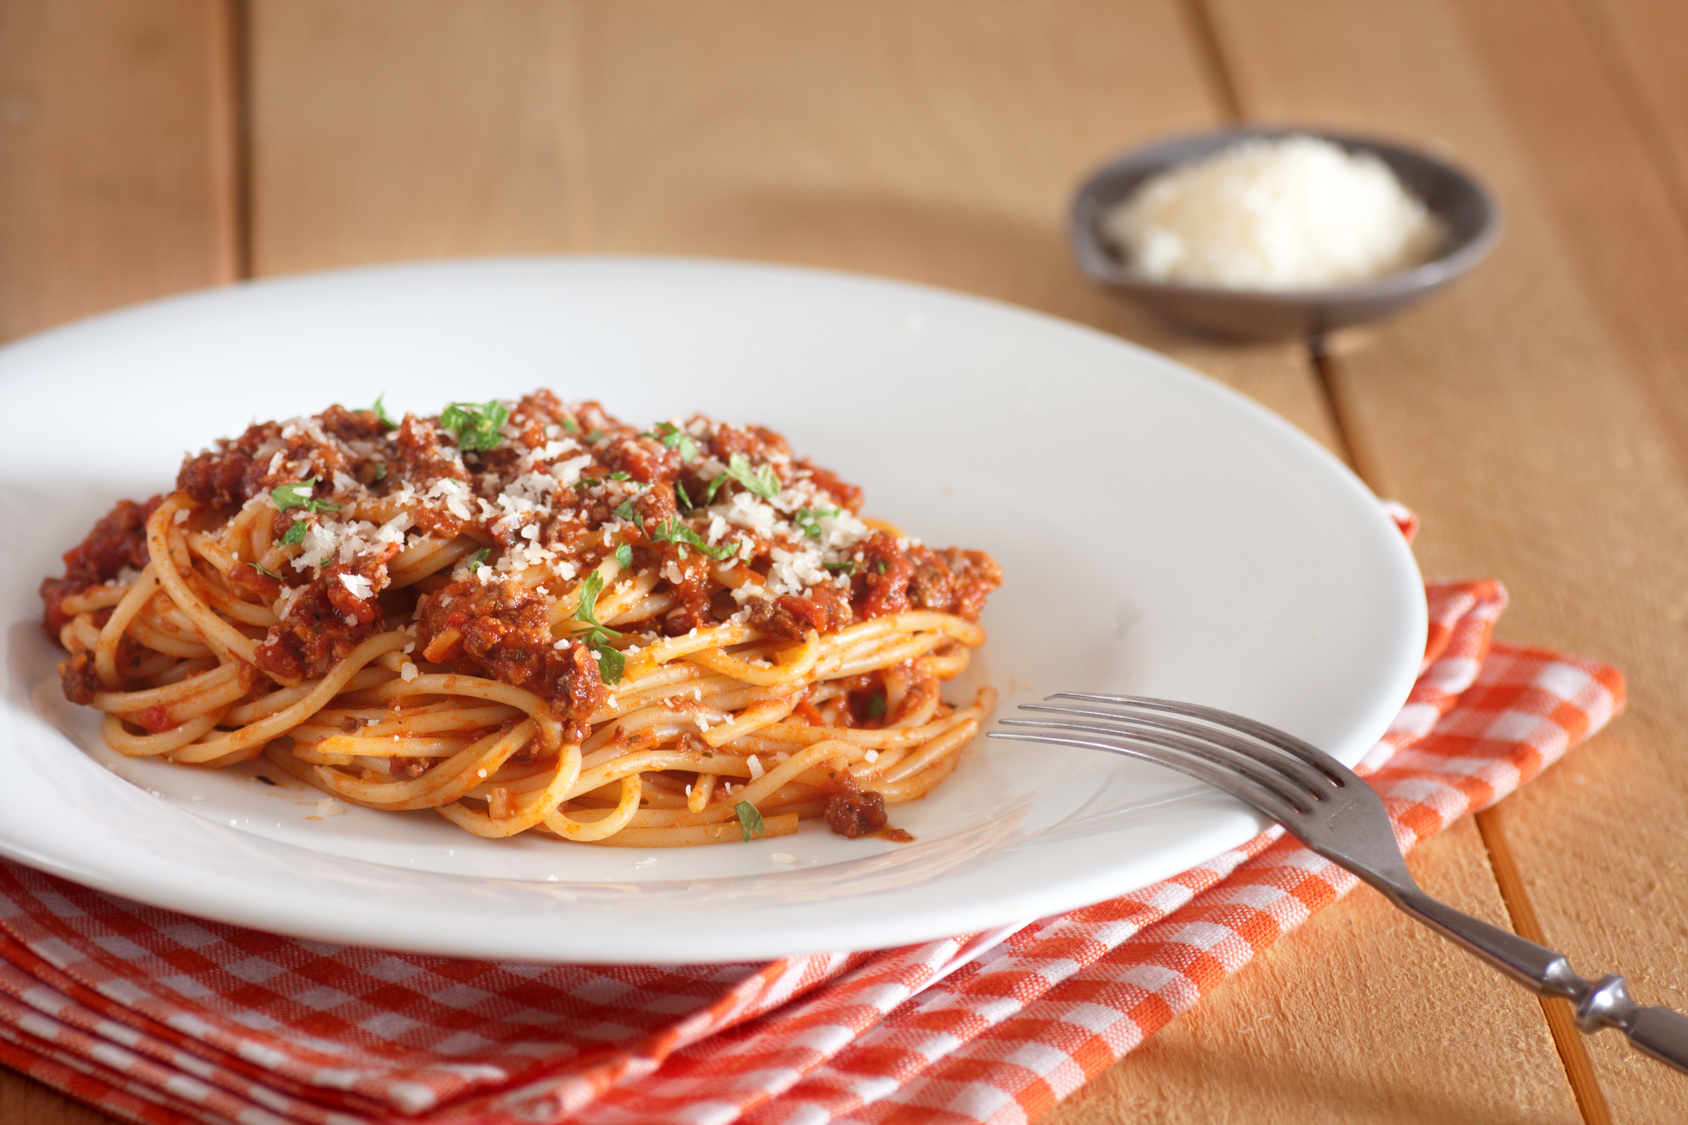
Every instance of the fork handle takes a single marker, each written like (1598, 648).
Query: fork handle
(1656, 1030)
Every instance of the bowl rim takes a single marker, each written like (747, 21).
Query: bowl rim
(1097, 260)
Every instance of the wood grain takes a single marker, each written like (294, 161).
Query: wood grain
(1517, 420)
(388, 131)
(115, 165)
(1642, 42)
(1534, 416)
(1361, 1016)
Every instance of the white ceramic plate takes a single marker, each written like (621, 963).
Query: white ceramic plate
(1160, 535)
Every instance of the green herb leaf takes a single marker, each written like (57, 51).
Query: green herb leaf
(381, 413)
(848, 566)
(610, 663)
(264, 570)
(673, 530)
(595, 436)
(587, 611)
(750, 822)
(380, 470)
(475, 424)
(879, 566)
(570, 425)
(479, 558)
(808, 520)
(681, 498)
(673, 437)
(876, 705)
(624, 511)
(624, 556)
(295, 533)
(762, 480)
(597, 636)
(299, 496)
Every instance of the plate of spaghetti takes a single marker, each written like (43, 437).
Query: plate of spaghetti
(643, 610)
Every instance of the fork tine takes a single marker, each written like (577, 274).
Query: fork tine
(1188, 756)
(1307, 782)
(1282, 741)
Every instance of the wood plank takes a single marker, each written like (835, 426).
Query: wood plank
(1361, 1016)
(403, 129)
(1641, 41)
(879, 138)
(1518, 417)
(115, 163)
(118, 183)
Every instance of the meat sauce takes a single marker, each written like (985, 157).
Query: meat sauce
(735, 526)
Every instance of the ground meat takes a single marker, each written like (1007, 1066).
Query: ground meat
(351, 425)
(645, 459)
(79, 678)
(754, 442)
(693, 593)
(420, 455)
(823, 611)
(855, 814)
(503, 630)
(117, 542)
(884, 579)
(310, 639)
(898, 579)
(974, 575)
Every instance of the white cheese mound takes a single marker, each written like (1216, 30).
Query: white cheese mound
(1288, 213)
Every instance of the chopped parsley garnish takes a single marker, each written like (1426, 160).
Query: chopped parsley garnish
(571, 425)
(750, 822)
(848, 566)
(476, 424)
(295, 533)
(595, 436)
(479, 558)
(597, 636)
(879, 566)
(610, 663)
(298, 495)
(681, 498)
(624, 556)
(264, 570)
(380, 470)
(762, 480)
(876, 705)
(672, 530)
(624, 511)
(673, 437)
(587, 482)
(380, 410)
(808, 520)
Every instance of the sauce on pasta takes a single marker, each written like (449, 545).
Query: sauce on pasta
(530, 616)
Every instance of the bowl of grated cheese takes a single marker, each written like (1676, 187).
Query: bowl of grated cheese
(1274, 233)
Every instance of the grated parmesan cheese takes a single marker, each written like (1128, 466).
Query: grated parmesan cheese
(1289, 213)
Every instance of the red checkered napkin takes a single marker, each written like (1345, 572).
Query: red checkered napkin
(157, 1017)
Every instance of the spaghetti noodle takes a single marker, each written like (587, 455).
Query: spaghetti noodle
(530, 617)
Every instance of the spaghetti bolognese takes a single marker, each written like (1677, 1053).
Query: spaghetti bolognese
(529, 616)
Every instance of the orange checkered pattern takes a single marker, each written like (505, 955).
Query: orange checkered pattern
(157, 1017)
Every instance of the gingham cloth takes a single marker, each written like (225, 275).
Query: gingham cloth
(157, 1017)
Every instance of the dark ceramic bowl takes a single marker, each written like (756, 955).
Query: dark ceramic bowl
(1469, 212)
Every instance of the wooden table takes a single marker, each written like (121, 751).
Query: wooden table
(1536, 416)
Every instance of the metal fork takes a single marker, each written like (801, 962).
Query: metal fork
(1329, 808)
